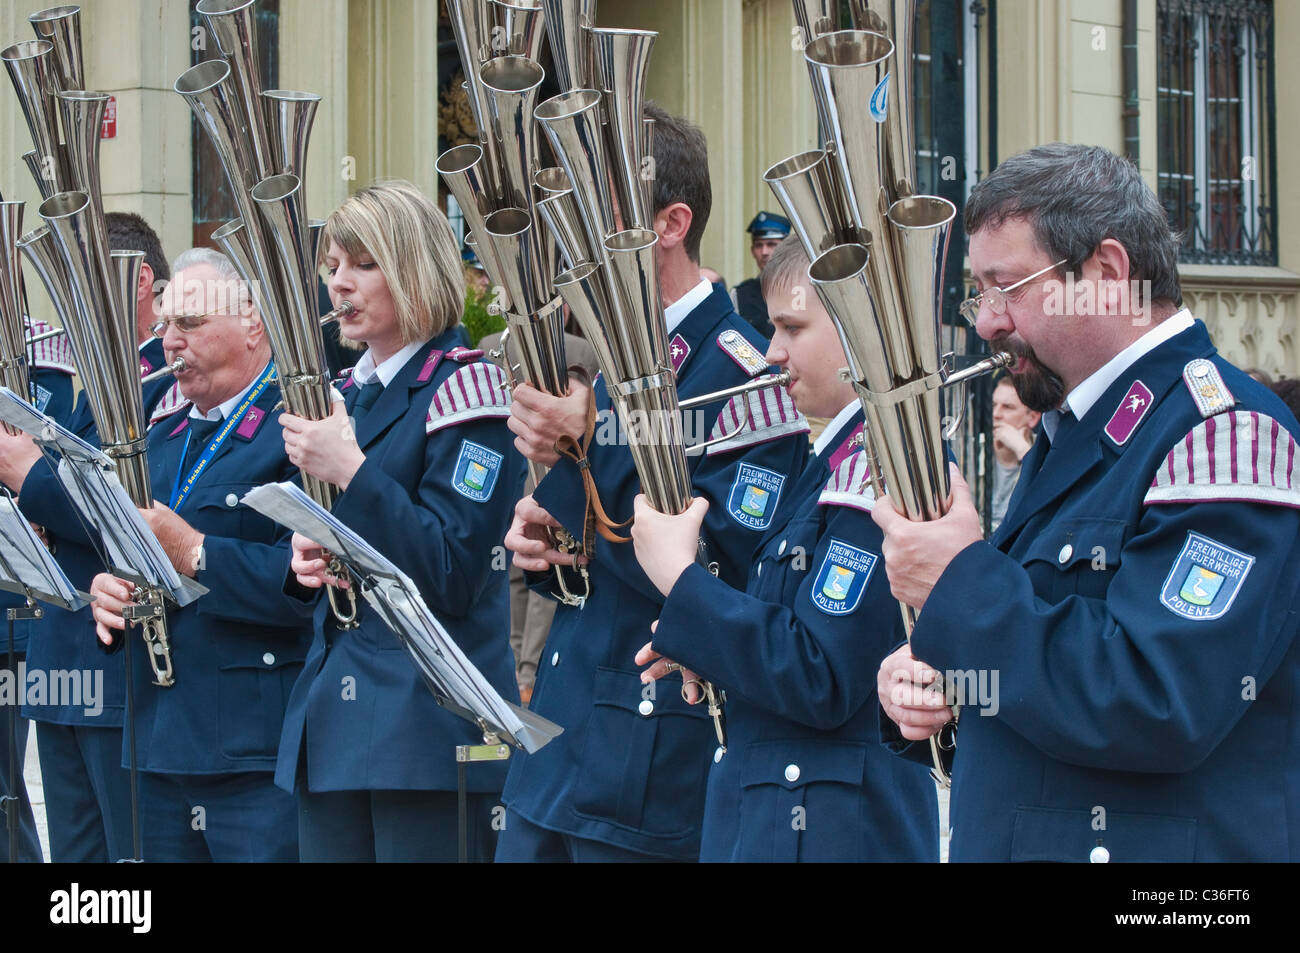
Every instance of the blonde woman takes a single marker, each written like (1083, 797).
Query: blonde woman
(421, 453)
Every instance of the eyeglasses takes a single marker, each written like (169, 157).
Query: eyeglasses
(996, 298)
(187, 323)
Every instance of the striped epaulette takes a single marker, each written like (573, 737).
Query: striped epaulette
(171, 402)
(54, 354)
(850, 484)
(475, 391)
(757, 417)
(1240, 455)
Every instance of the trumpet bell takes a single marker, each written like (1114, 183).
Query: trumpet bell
(61, 26)
(568, 28)
(572, 124)
(622, 62)
(805, 186)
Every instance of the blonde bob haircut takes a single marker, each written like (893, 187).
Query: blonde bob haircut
(408, 237)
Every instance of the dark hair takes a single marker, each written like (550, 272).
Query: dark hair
(129, 232)
(1075, 197)
(1288, 388)
(681, 171)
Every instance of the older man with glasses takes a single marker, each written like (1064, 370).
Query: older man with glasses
(1135, 614)
(206, 746)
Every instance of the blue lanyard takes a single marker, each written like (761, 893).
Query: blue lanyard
(181, 491)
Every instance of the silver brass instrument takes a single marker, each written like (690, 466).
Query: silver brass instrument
(877, 250)
(604, 228)
(261, 138)
(14, 367)
(93, 289)
(499, 184)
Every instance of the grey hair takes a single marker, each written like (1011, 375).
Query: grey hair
(1076, 196)
(787, 267)
(233, 288)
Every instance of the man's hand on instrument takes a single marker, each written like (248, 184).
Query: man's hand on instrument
(182, 543)
(17, 457)
(530, 539)
(917, 553)
(311, 567)
(326, 449)
(666, 545)
(907, 695)
(111, 595)
(661, 667)
(538, 419)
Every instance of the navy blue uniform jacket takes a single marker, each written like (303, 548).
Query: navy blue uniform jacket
(435, 496)
(238, 648)
(51, 394)
(804, 776)
(65, 641)
(1139, 606)
(624, 773)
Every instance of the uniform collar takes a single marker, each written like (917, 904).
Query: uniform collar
(833, 435)
(366, 370)
(225, 408)
(1082, 398)
(679, 309)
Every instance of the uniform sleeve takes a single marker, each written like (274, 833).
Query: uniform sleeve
(1136, 677)
(446, 534)
(729, 532)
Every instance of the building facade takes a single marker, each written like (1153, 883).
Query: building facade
(1193, 89)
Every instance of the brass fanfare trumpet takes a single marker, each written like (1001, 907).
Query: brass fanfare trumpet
(261, 139)
(877, 250)
(93, 289)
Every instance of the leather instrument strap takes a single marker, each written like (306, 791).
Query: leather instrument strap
(597, 520)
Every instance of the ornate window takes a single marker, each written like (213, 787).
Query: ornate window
(1215, 115)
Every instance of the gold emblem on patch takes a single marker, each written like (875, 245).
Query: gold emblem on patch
(742, 352)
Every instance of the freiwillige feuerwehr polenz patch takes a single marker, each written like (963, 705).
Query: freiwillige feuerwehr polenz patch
(1204, 579)
(754, 495)
(477, 469)
(842, 578)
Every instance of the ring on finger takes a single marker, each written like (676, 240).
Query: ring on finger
(671, 666)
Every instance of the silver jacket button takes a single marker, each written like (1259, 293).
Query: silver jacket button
(1066, 552)
(792, 773)
(1099, 855)
(780, 550)
(718, 753)
(268, 659)
(555, 659)
(646, 707)
(231, 500)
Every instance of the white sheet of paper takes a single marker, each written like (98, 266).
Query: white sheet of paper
(24, 555)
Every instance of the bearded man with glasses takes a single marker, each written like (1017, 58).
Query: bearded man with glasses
(1137, 608)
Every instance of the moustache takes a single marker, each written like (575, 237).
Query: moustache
(1038, 386)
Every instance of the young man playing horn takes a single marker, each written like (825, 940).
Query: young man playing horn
(1138, 604)
(626, 779)
(804, 776)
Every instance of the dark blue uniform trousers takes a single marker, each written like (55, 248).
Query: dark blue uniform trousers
(87, 793)
(222, 818)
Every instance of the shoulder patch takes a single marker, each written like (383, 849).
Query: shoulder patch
(1206, 385)
(476, 471)
(474, 392)
(1204, 579)
(678, 352)
(1132, 408)
(842, 578)
(1239, 455)
(754, 496)
(757, 417)
(850, 484)
(746, 356)
(53, 354)
(171, 402)
(40, 396)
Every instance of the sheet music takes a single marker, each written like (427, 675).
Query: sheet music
(26, 565)
(453, 678)
(89, 478)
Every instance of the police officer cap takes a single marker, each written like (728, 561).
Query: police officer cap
(769, 225)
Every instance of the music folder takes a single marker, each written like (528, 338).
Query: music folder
(454, 680)
(26, 565)
(90, 480)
